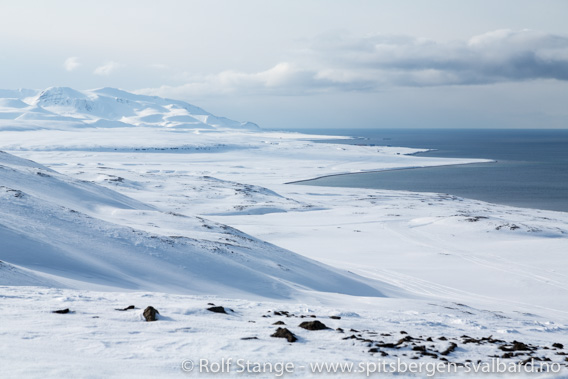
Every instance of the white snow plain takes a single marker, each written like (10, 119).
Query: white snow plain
(138, 200)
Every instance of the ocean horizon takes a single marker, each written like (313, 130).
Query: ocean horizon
(530, 167)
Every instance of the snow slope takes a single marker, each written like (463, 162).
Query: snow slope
(88, 236)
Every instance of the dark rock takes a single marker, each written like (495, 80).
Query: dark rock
(249, 338)
(339, 330)
(475, 219)
(150, 313)
(419, 348)
(450, 348)
(284, 333)
(490, 339)
(217, 310)
(125, 309)
(443, 338)
(279, 323)
(471, 340)
(403, 340)
(529, 361)
(211, 304)
(403, 332)
(373, 350)
(387, 345)
(61, 311)
(313, 325)
(282, 313)
(508, 355)
(335, 317)
(516, 346)
(558, 345)
(429, 339)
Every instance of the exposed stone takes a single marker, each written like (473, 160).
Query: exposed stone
(284, 333)
(450, 348)
(125, 309)
(150, 313)
(61, 311)
(387, 345)
(516, 346)
(217, 310)
(313, 325)
(403, 340)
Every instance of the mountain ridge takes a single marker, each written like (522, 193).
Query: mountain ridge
(103, 108)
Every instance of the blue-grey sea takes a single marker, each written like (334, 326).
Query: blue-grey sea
(531, 169)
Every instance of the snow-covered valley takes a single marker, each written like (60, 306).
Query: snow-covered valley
(110, 199)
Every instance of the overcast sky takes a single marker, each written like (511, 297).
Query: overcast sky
(306, 64)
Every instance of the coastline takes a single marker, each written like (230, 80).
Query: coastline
(530, 170)
(388, 170)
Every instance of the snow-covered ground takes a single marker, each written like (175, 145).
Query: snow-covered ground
(137, 200)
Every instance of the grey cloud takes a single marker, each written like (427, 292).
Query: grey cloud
(497, 56)
(336, 63)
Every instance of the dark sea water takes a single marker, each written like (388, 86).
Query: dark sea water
(531, 169)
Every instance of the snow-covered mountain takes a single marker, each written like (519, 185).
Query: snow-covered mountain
(63, 107)
(85, 236)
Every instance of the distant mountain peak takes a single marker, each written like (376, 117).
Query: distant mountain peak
(106, 107)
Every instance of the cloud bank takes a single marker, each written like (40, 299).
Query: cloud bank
(341, 63)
